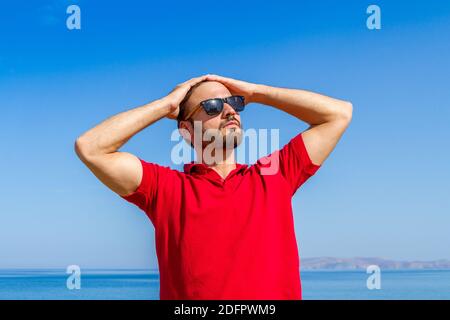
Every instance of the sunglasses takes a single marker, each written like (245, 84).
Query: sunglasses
(214, 106)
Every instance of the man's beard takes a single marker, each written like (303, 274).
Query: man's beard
(228, 141)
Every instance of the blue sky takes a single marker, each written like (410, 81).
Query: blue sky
(383, 191)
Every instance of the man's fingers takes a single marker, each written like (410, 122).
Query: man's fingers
(221, 79)
(215, 76)
(197, 80)
(194, 81)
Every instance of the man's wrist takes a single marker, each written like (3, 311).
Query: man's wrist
(168, 104)
(260, 93)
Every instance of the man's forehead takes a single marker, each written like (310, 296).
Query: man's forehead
(208, 90)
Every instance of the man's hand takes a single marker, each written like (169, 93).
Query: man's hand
(98, 147)
(237, 87)
(176, 96)
(328, 117)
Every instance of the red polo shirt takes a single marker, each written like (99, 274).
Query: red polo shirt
(227, 238)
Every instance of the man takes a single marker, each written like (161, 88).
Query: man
(223, 230)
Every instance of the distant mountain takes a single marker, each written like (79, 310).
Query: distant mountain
(358, 263)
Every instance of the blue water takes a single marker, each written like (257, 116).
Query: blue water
(405, 284)
(144, 285)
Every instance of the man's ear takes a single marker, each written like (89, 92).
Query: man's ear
(186, 130)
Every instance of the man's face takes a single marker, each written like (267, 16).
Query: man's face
(208, 90)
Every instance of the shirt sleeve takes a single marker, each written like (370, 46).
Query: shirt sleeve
(292, 162)
(146, 193)
(295, 164)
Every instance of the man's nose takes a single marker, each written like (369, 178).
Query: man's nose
(228, 110)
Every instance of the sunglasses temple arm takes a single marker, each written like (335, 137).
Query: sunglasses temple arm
(192, 113)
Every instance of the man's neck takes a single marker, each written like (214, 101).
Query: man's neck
(224, 167)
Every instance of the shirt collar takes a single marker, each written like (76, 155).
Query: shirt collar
(201, 168)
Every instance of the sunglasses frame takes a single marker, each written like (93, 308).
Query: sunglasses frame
(223, 100)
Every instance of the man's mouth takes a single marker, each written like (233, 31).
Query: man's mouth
(231, 123)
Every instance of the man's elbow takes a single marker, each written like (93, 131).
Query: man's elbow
(345, 111)
(82, 148)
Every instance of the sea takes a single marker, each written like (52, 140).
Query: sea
(54, 284)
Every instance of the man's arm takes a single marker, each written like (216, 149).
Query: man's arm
(98, 147)
(328, 117)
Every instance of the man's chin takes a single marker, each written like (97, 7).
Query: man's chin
(230, 130)
(233, 139)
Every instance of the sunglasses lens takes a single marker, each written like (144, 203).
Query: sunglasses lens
(213, 106)
(237, 102)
